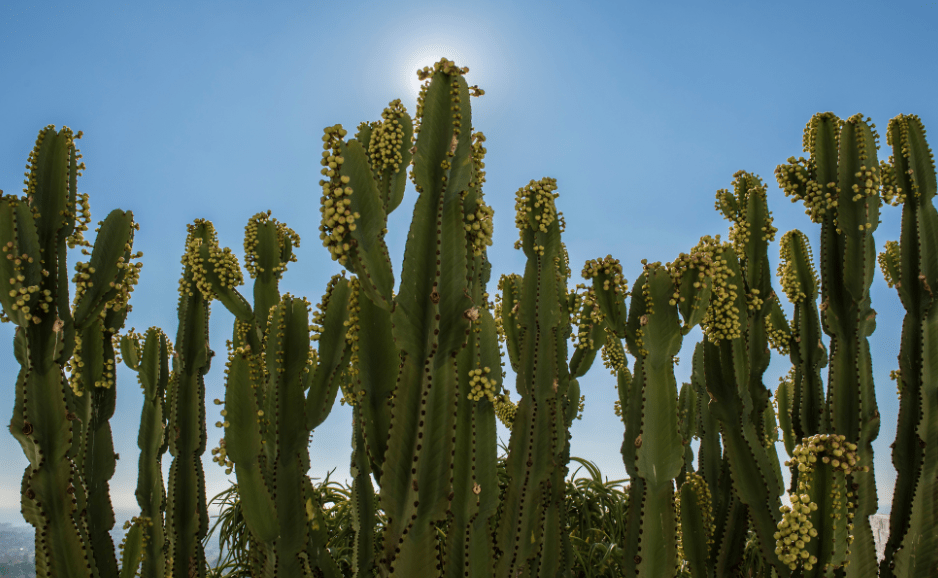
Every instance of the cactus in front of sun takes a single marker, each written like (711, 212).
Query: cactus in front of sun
(35, 232)
(910, 266)
(840, 186)
(150, 360)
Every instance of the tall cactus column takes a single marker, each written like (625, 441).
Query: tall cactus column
(911, 266)
(839, 185)
(187, 510)
(538, 432)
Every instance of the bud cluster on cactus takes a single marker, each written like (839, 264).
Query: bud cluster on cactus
(420, 365)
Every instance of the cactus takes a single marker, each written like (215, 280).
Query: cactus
(65, 492)
(151, 362)
(909, 266)
(803, 409)
(839, 185)
(271, 368)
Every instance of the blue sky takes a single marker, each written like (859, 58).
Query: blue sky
(640, 110)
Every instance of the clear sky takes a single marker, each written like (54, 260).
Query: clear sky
(640, 110)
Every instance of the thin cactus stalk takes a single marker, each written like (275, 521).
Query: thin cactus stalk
(910, 266)
(802, 409)
(150, 360)
(840, 186)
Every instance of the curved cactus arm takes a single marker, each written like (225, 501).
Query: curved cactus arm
(911, 266)
(218, 273)
(389, 144)
(815, 531)
(590, 332)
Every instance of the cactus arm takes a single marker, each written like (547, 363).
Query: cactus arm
(153, 375)
(911, 266)
(509, 287)
(807, 353)
(696, 525)
(96, 463)
(363, 504)
(843, 161)
(243, 445)
(687, 404)
(784, 398)
(132, 547)
(389, 150)
(332, 354)
(97, 281)
(368, 253)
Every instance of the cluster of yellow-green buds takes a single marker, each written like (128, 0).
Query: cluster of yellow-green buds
(479, 227)
(613, 356)
(722, 319)
(505, 409)
(795, 532)
(351, 337)
(385, 144)
(889, 261)
(337, 219)
(426, 73)
(535, 208)
(480, 385)
(285, 235)
(587, 313)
